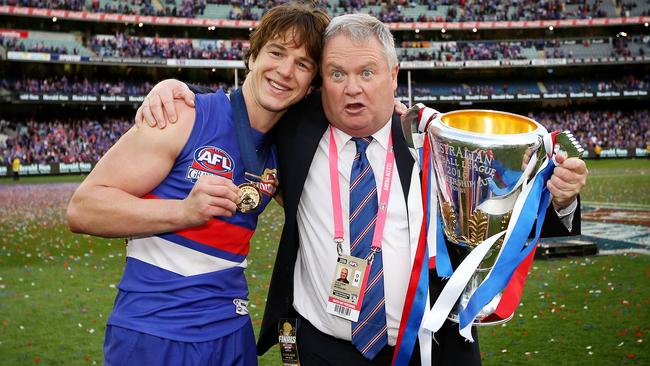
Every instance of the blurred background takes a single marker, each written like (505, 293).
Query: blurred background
(72, 74)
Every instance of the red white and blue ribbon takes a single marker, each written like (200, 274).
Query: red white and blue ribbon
(417, 297)
(418, 290)
(516, 247)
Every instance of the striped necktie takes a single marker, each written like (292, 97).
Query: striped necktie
(369, 334)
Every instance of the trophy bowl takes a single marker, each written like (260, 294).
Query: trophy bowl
(480, 159)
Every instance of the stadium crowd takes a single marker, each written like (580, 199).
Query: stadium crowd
(87, 140)
(186, 9)
(627, 82)
(59, 141)
(63, 85)
(15, 44)
(389, 11)
(123, 45)
(607, 129)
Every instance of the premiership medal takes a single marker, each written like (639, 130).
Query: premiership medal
(251, 197)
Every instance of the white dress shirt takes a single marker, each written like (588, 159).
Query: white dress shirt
(316, 262)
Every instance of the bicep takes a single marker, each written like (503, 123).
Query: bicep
(142, 157)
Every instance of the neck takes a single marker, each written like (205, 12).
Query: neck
(261, 118)
(361, 133)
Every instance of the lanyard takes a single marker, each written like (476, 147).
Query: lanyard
(253, 161)
(382, 209)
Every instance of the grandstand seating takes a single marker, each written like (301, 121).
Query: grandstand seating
(65, 43)
(429, 10)
(121, 45)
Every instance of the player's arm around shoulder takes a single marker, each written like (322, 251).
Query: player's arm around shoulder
(108, 202)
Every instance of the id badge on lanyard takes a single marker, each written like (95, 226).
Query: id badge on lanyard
(348, 287)
(351, 273)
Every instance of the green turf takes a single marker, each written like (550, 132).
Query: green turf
(57, 289)
(625, 183)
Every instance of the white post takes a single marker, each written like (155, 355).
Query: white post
(409, 87)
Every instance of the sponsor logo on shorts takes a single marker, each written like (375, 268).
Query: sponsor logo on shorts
(241, 306)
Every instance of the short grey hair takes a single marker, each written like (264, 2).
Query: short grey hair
(360, 28)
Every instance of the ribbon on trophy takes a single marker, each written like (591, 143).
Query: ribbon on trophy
(417, 294)
(253, 160)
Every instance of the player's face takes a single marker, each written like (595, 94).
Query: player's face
(281, 74)
(358, 85)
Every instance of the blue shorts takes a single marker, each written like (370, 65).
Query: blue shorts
(128, 347)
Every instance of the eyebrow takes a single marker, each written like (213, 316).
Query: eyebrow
(336, 65)
(283, 48)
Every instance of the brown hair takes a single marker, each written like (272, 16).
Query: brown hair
(301, 22)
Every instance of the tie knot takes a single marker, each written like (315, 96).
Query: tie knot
(362, 143)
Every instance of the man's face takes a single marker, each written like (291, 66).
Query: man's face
(281, 74)
(358, 85)
(344, 273)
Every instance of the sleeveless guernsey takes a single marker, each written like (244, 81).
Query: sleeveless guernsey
(189, 285)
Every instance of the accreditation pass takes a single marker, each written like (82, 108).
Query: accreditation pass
(348, 287)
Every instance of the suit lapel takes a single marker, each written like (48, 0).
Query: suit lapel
(402, 156)
(309, 133)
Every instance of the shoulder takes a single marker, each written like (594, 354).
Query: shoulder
(169, 140)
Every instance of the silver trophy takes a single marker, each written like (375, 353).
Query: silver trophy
(480, 159)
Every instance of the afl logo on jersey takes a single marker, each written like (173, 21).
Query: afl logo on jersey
(211, 160)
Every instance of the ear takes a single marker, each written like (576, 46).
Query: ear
(393, 75)
(251, 62)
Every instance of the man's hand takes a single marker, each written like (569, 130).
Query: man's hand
(158, 106)
(400, 108)
(211, 196)
(569, 176)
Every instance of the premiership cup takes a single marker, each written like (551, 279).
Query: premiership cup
(480, 159)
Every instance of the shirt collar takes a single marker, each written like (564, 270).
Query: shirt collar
(380, 136)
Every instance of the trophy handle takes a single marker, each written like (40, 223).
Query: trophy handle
(567, 143)
(414, 126)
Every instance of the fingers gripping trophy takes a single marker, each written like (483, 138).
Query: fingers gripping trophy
(486, 192)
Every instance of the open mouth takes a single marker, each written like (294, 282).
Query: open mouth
(354, 108)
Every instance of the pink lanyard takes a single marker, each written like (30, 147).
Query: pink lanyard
(382, 210)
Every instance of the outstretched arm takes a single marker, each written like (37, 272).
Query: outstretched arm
(158, 108)
(109, 201)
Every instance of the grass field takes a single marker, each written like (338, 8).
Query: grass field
(57, 288)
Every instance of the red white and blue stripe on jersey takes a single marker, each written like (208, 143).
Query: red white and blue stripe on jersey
(160, 288)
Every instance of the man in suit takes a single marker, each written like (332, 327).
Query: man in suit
(355, 110)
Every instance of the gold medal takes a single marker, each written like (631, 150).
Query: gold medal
(251, 198)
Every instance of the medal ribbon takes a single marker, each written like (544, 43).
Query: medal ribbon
(253, 162)
(382, 209)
